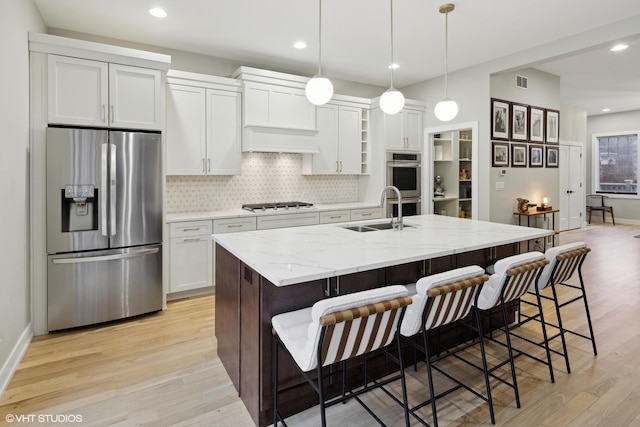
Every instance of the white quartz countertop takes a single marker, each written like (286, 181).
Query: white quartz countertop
(239, 212)
(287, 256)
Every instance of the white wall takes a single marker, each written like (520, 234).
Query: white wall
(17, 18)
(625, 209)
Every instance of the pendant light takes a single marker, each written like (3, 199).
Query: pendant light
(392, 101)
(319, 89)
(446, 109)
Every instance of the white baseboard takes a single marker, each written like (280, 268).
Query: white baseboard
(10, 366)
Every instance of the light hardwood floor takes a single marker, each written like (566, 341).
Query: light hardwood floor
(162, 369)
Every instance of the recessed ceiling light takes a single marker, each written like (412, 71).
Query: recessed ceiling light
(300, 45)
(158, 13)
(619, 47)
(394, 66)
(606, 110)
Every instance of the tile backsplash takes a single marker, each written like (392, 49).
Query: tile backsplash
(266, 177)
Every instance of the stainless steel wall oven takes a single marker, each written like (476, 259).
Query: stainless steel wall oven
(404, 172)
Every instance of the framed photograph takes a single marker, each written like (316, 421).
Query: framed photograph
(536, 156)
(552, 118)
(552, 157)
(518, 155)
(519, 125)
(536, 124)
(500, 154)
(500, 119)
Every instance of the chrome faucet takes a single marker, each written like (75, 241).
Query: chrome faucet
(396, 223)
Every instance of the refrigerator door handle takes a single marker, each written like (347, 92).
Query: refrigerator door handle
(79, 260)
(103, 190)
(112, 195)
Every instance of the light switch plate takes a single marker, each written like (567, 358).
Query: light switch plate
(500, 186)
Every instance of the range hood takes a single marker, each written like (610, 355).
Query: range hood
(275, 139)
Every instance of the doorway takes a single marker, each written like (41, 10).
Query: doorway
(571, 188)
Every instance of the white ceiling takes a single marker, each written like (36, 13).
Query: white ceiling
(356, 37)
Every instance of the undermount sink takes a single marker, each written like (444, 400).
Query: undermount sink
(373, 227)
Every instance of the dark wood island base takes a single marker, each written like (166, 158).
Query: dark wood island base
(246, 302)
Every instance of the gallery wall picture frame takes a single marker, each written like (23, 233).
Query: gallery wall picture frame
(519, 122)
(500, 154)
(519, 155)
(500, 122)
(536, 124)
(552, 157)
(536, 156)
(552, 132)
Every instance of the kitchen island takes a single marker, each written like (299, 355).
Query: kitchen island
(263, 273)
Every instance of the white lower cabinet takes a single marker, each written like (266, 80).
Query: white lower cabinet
(366, 213)
(191, 255)
(287, 220)
(334, 216)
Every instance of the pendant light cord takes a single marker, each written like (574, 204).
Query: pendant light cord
(391, 65)
(446, 52)
(319, 38)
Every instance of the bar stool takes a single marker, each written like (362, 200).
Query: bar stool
(335, 330)
(439, 300)
(564, 261)
(511, 279)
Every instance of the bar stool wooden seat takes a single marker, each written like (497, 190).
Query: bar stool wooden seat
(512, 277)
(335, 330)
(439, 300)
(564, 261)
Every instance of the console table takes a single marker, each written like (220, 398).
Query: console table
(533, 214)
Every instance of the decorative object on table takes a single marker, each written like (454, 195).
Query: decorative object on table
(500, 154)
(552, 119)
(536, 124)
(438, 186)
(518, 155)
(519, 122)
(552, 157)
(536, 156)
(544, 206)
(523, 205)
(499, 119)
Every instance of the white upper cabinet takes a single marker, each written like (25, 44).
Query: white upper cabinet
(135, 97)
(94, 93)
(224, 134)
(277, 106)
(404, 130)
(78, 91)
(186, 133)
(203, 132)
(339, 141)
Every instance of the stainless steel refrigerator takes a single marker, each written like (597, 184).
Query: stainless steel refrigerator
(104, 225)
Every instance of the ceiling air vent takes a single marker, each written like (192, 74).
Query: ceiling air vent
(522, 82)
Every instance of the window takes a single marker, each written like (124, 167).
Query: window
(615, 157)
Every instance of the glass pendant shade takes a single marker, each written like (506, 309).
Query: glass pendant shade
(392, 101)
(319, 90)
(446, 110)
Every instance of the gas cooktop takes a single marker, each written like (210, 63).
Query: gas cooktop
(275, 206)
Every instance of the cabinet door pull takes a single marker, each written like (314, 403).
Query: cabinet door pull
(209, 164)
(335, 216)
(340, 165)
(112, 115)
(337, 167)
(234, 225)
(338, 285)
(191, 229)
(203, 165)
(367, 214)
(192, 239)
(327, 289)
(104, 108)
